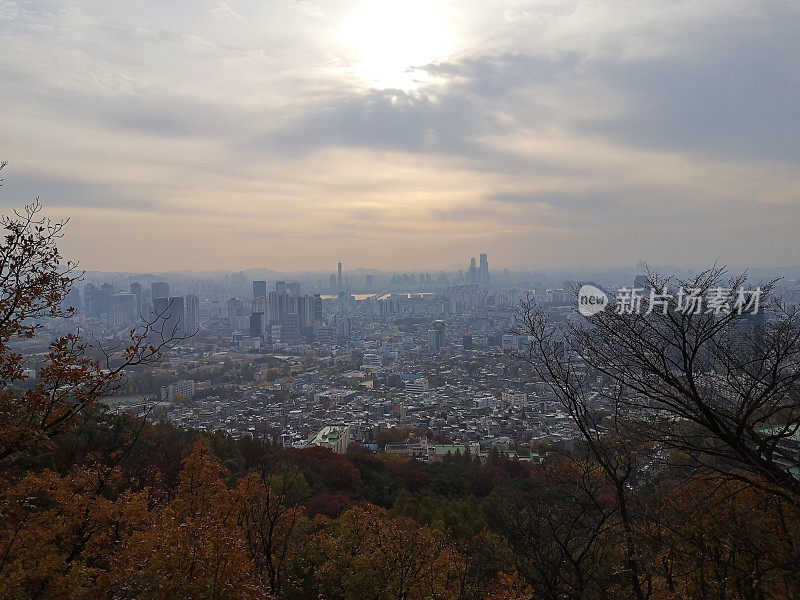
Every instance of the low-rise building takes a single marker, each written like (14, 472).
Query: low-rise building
(335, 437)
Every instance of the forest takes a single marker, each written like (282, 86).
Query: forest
(118, 507)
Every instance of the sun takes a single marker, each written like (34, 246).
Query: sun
(387, 39)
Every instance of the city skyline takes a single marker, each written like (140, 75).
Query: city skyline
(274, 274)
(226, 134)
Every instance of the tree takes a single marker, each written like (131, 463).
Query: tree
(271, 516)
(57, 522)
(718, 388)
(367, 554)
(726, 539)
(192, 548)
(562, 537)
(34, 282)
(58, 533)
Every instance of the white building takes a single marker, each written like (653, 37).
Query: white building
(184, 387)
(335, 437)
(517, 399)
(417, 386)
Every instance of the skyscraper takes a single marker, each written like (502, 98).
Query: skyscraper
(159, 289)
(344, 301)
(339, 278)
(72, 300)
(434, 341)
(235, 314)
(316, 309)
(484, 270)
(92, 300)
(261, 305)
(136, 290)
(298, 305)
(472, 275)
(192, 314)
(291, 327)
(123, 308)
(259, 289)
(169, 313)
(106, 291)
(277, 306)
(256, 324)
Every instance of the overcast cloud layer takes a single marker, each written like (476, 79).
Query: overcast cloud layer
(291, 134)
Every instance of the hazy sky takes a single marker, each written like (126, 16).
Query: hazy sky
(291, 134)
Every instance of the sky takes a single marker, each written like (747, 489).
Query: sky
(290, 134)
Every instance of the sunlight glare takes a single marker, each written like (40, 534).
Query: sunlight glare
(388, 38)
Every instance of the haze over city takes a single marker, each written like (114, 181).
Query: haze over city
(413, 135)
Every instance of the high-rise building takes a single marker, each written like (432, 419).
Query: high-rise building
(484, 270)
(261, 305)
(159, 289)
(236, 314)
(256, 324)
(298, 305)
(280, 287)
(472, 275)
(316, 309)
(170, 318)
(344, 329)
(91, 300)
(294, 288)
(277, 307)
(123, 308)
(192, 314)
(259, 289)
(339, 281)
(333, 282)
(72, 300)
(290, 328)
(106, 291)
(136, 290)
(434, 340)
(436, 336)
(345, 300)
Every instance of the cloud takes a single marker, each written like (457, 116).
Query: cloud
(60, 193)
(726, 87)
(546, 127)
(562, 200)
(733, 94)
(224, 10)
(726, 91)
(388, 119)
